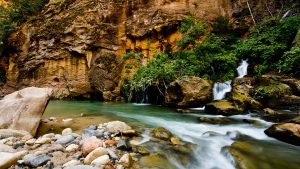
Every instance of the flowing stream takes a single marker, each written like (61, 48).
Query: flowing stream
(211, 140)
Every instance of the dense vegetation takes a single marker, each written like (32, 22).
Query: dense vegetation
(215, 55)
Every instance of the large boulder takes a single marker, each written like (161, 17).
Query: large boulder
(189, 92)
(22, 110)
(240, 94)
(223, 107)
(287, 132)
(9, 159)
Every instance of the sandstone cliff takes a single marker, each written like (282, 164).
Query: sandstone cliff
(76, 46)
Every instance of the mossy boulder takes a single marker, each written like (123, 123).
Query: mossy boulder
(223, 107)
(162, 133)
(286, 132)
(269, 95)
(189, 92)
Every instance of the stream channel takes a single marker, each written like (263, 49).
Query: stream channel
(245, 140)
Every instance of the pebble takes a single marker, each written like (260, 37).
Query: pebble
(42, 140)
(67, 131)
(71, 163)
(65, 139)
(98, 162)
(126, 160)
(100, 151)
(90, 144)
(36, 161)
(72, 148)
(117, 126)
(50, 135)
(89, 133)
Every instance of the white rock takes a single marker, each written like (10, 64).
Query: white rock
(71, 163)
(100, 151)
(42, 140)
(98, 162)
(125, 160)
(115, 126)
(72, 148)
(67, 131)
(50, 135)
(30, 142)
(9, 159)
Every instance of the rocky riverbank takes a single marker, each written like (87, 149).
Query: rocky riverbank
(109, 145)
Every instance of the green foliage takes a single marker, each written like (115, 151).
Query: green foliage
(290, 63)
(270, 91)
(268, 42)
(192, 29)
(221, 25)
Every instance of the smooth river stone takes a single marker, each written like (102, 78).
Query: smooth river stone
(90, 144)
(65, 139)
(117, 126)
(35, 161)
(100, 151)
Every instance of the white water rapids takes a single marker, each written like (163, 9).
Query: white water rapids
(209, 138)
(220, 89)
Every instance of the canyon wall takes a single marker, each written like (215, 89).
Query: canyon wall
(76, 46)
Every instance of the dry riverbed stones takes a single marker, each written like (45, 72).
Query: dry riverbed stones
(110, 145)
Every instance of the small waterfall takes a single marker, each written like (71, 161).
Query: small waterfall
(242, 69)
(220, 90)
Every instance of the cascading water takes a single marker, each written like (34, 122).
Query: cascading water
(242, 69)
(220, 89)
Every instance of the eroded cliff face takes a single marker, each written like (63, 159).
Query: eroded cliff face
(76, 46)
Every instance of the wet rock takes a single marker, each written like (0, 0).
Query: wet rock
(175, 140)
(89, 133)
(67, 131)
(161, 133)
(122, 145)
(294, 84)
(117, 126)
(5, 133)
(126, 160)
(142, 150)
(216, 120)
(72, 148)
(23, 109)
(129, 133)
(42, 140)
(90, 144)
(65, 139)
(36, 161)
(181, 149)
(102, 160)
(71, 163)
(100, 151)
(155, 161)
(287, 132)
(194, 111)
(8, 159)
(189, 92)
(222, 107)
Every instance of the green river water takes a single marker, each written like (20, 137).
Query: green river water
(246, 141)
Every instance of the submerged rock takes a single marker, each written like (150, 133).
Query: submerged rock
(216, 120)
(189, 92)
(161, 133)
(22, 110)
(287, 132)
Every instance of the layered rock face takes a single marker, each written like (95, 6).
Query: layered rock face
(75, 46)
